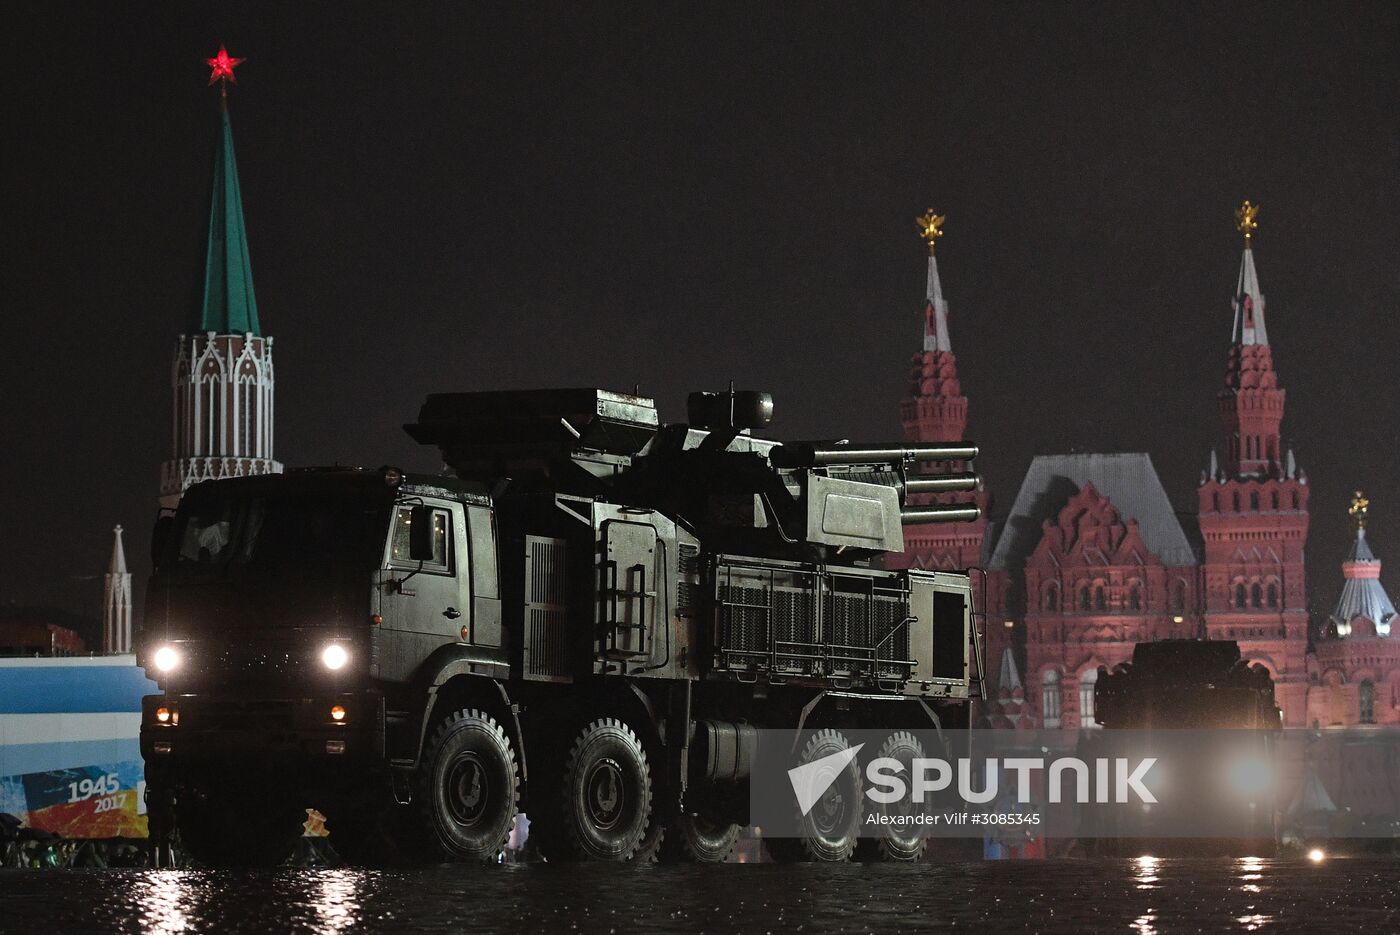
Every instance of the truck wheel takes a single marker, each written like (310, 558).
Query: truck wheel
(468, 788)
(830, 829)
(898, 842)
(606, 794)
(694, 838)
(227, 829)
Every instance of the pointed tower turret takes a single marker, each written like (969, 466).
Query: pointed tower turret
(222, 375)
(116, 600)
(1251, 404)
(1363, 608)
(229, 306)
(1254, 511)
(935, 409)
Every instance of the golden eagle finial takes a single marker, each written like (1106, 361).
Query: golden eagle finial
(929, 226)
(1245, 216)
(1359, 505)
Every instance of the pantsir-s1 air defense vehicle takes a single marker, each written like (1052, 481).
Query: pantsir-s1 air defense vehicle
(588, 622)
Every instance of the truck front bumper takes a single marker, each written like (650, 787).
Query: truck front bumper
(183, 731)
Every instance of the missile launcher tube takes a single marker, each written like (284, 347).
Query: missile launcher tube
(809, 455)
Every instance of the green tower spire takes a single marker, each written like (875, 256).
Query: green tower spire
(229, 305)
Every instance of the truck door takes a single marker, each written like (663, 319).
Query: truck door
(425, 602)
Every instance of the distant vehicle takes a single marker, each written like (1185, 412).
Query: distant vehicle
(588, 622)
(1211, 716)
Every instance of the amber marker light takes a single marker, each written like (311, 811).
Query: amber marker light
(337, 713)
(163, 715)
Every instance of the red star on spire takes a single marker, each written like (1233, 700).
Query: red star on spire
(223, 65)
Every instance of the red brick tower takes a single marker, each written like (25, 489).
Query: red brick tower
(1254, 510)
(936, 411)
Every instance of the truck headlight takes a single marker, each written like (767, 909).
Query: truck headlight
(166, 658)
(335, 656)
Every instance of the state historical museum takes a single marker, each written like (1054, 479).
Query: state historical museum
(1092, 558)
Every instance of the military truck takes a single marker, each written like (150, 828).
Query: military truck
(1207, 713)
(586, 620)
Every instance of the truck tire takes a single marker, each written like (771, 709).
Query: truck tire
(467, 788)
(694, 838)
(830, 829)
(897, 843)
(604, 806)
(224, 829)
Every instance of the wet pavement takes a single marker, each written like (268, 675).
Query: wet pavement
(1135, 896)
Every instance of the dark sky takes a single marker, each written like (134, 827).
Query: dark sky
(461, 196)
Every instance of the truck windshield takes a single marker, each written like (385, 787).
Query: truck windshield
(269, 532)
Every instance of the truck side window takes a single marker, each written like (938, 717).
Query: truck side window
(399, 543)
(482, 525)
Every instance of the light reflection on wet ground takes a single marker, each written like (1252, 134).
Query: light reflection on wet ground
(1141, 896)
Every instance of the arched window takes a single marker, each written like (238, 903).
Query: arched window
(1235, 501)
(1295, 499)
(1256, 595)
(1239, 595)
(1272, 595)
(1254, 501)
(1135, 597)
(1368, 702)
(1086, 698)
(1052, 596)
(1179, 595)
(1084, 597)
(1273, 501)
(1215, 502)
(1050, 698)
(1099, 602)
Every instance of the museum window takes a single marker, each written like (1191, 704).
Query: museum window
(1295, 499)
(1050, 698)
(1099, 602)
(1086, 698)
(1272, 595)
(1239, 595)
(1235, 501)
(1367, 697)
(1256, 595)
(1273, 501)
(1254, 502)
(1135, 597)
(1179, 595)
(1084, 597)
(1052, 597)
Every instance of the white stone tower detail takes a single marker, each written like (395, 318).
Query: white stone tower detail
(116, 601)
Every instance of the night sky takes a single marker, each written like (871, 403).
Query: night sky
(467, 197)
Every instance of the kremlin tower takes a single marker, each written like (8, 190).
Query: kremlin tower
(1253, 508)
(935, 411)
(222, 374)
